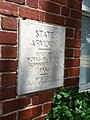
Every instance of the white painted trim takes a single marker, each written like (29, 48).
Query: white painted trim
(85, 8)
(85, 86)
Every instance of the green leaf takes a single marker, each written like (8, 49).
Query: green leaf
(72, 118)
(84, 105)
(83, 115)
(68, 114)
(70, 97)
(78, 111)
(64, 108)
(76, 102)
(59, 96)
(88, 111)
(70, 104)
(66, 95)
(87, 117)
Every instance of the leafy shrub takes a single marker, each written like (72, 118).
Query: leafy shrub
(69, 104)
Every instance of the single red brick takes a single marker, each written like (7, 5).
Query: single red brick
(30, 113)
(76, 14)
(8, 37)
(45, 97)
(72, 62)
(73, 43)
(25, 114)
(74, 71)
(8, 117)
(9, 79)
(7, 93)
(76, 53)
(18, 1)
(36, 111)
(76, 43)
(54, 19)
(41, 16)
(69, 32)
(65, 11)
(8, 52)
(74, 4)
(35, 100)
(66, 73)
(69, 53)
(9, 23)
(8, 8)
(32, 3)
(17, 104)
(28, 13)
(8, 65)
(73, 23)
(71, 82)
(32, 14)
(49, 6)
(47, 107)
(77, 34)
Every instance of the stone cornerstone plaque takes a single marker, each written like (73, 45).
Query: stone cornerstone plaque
(41, 56)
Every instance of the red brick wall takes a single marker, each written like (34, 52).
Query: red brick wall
(61, 12)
